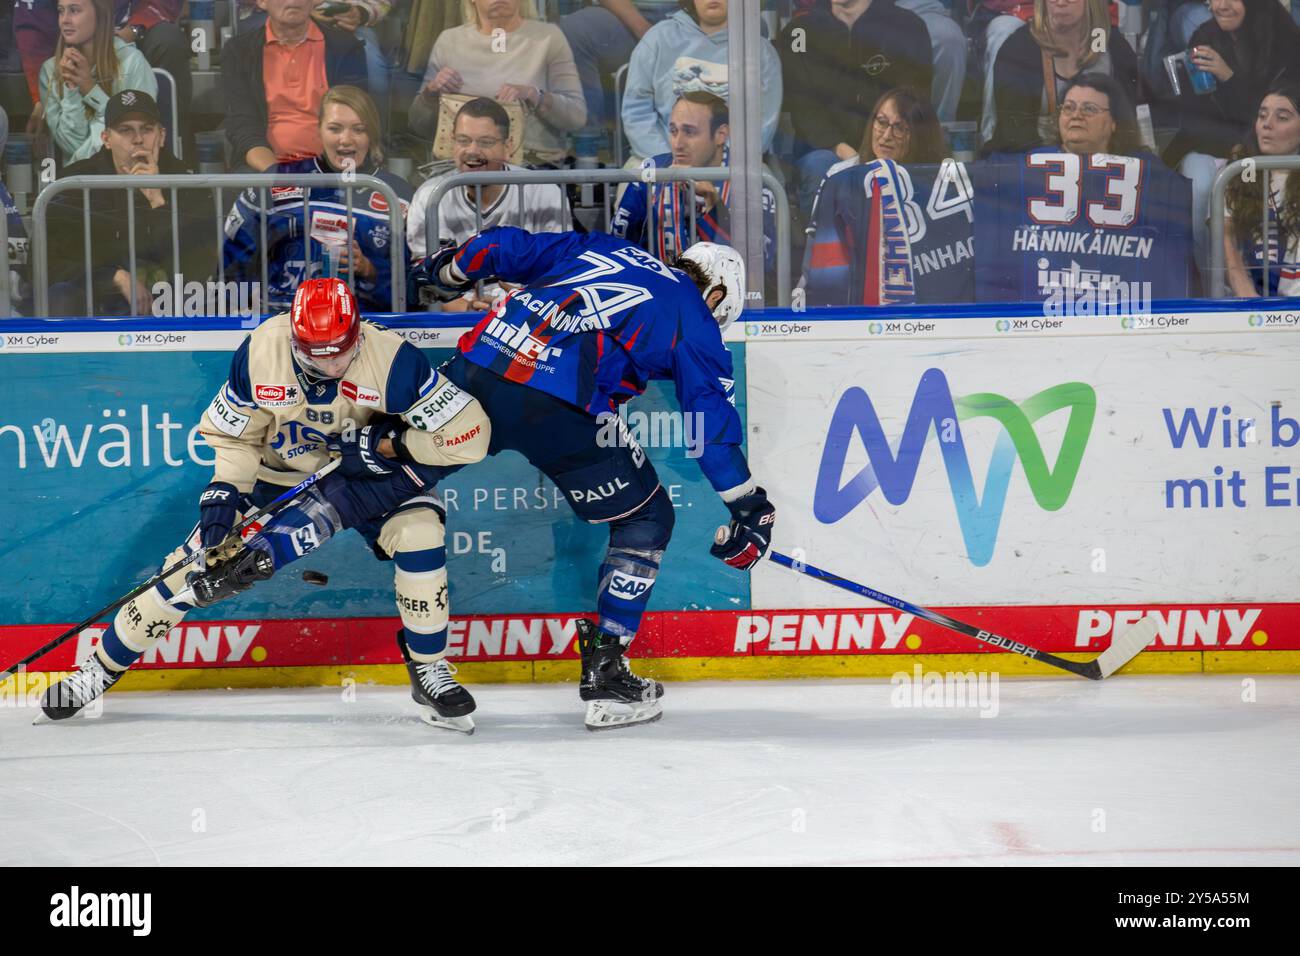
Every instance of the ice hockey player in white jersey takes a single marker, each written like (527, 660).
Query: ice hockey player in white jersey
(314, 381)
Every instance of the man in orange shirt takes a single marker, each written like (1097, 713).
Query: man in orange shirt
(273, 80)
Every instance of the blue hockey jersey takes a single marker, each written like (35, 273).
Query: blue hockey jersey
(884, 234)
(596, 320)
(293, 258)
(657, 216)
(1050, 224)
(16, 272)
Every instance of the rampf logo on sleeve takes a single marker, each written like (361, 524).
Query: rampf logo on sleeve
(77, 909)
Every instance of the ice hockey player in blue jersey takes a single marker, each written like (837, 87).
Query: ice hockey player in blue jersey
(596, 319)
(302, 385)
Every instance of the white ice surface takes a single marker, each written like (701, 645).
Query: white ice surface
(1168, 770)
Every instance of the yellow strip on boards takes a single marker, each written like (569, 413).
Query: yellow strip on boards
(680, 669)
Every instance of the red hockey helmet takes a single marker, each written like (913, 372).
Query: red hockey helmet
(326, 327)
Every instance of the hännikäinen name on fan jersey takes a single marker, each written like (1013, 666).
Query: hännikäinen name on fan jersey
(598, 319)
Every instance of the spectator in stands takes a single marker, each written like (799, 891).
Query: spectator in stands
(359, 17)
(1248, 46)
(149, 24)
(481, 138)
(132, 144)
(602, 37)
(903, 128)
(989, 25)
(1096, 117)
(1038, 61)
(504, 52)
(688, 51)
(838, 59)
(1276, 133)
(350, 134)
(273, 82)
(15, 270)
(657, 215)
(948, 53)
(89, 64)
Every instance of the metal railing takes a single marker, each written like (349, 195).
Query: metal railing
(564, 177)
(218, 182)
(6, 306)
(175, 141)
(1218, 267)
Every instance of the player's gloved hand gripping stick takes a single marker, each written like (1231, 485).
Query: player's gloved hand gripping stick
(1122, 649)
(235, 535)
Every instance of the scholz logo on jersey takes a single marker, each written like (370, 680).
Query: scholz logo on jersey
(521, 340)
(629, 587)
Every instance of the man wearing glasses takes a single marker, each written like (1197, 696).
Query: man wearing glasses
(481, 141)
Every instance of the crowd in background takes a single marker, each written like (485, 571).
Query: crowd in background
(413, 91)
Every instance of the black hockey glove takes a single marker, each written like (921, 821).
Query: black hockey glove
(429, 272)
(361, 458)
(218, 506)
(743, 543)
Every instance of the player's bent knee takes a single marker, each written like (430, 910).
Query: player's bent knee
(649, 528)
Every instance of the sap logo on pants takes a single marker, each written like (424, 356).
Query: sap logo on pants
(304, 539)
(629, 587)
(608, 490)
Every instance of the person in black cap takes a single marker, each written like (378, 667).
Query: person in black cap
(134, 139)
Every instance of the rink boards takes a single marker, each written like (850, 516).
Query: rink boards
(1047, 478)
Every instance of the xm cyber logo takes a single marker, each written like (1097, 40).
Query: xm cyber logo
(894, 472)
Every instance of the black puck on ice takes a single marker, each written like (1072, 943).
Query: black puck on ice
(315, 577)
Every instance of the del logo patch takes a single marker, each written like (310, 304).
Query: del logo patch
(359, 394)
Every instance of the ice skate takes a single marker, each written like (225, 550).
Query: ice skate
(443, 702)
(615, 696)
(83, 686)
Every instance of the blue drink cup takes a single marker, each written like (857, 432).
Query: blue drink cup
(1202, 81)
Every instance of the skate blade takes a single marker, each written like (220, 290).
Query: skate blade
(461, 725)
(613, 714)
(92, 711)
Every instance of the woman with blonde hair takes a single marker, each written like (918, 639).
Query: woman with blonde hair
(503, 52)
(89, 65)
(350, 137)
(1034, 66)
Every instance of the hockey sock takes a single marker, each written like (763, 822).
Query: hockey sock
(415, 539)
(144, 621)
(421, 582)
(627, 577)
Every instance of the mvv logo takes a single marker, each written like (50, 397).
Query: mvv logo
(894, 474)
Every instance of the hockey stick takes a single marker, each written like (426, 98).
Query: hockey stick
(1122, 649)
(260, 514)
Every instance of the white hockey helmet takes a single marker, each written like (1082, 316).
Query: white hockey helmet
(726, 271)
